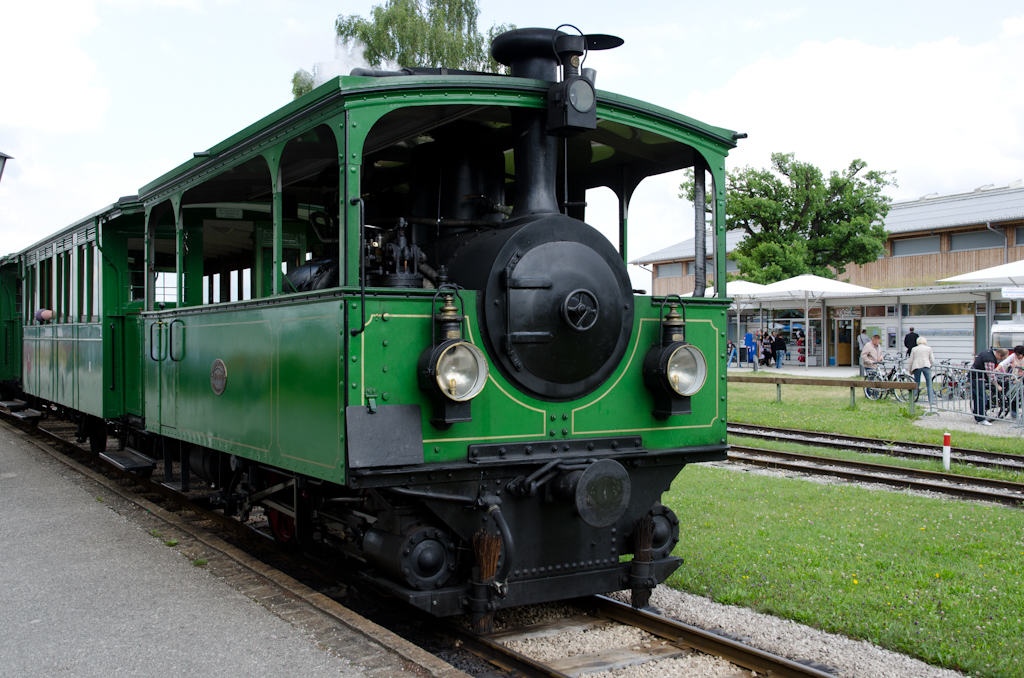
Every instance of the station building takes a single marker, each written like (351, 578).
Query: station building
(931, 238)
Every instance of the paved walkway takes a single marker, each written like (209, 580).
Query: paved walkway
(86, 593)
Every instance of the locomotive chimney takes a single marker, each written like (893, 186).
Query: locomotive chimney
(536, 157)
(537, 53)
(528, 52)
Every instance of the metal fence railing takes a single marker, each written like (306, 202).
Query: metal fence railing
(984, 394)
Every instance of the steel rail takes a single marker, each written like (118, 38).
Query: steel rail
(1011, 493)
(501, 656)
(679, 634)
(682, 634)
(1000, 460)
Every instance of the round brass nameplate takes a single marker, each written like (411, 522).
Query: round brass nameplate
(218, 376)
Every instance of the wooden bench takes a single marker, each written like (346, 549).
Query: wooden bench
(853, 385)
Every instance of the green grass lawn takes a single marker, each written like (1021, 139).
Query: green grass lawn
(821, 408)
(939, 580)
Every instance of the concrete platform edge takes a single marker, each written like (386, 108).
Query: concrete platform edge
(434, 666)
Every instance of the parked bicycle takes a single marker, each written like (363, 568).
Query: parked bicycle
(895, 372)
(954, 381)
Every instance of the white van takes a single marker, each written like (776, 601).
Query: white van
(1007, 334)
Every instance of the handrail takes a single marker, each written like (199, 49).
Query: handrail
(170, 339)
(152, 343)
(113, 352)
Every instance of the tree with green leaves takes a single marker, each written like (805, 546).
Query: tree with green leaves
(797, 220)
(417, 33)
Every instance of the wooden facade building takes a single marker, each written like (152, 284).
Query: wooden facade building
(931, 238)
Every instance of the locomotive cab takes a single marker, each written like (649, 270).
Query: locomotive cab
(489, 197)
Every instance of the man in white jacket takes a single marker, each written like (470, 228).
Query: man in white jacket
(921, 361)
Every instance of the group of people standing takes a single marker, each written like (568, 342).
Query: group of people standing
(990, 375)
(919, 353)
(766, 347)
(989, 371)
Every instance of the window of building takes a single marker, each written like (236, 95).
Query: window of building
(910, 246)
(938, 309)
(688, 268)
(976, 240)
(1018, 237)
(670, 270)
(874, 311)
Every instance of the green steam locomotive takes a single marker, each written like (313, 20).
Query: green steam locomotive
(379, 315)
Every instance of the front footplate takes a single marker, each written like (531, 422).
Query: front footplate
(452, 600)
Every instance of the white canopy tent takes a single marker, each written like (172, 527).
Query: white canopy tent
(741, 289)
(808, 287)
(1004, 274)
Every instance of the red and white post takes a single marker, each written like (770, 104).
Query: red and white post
(945, 450)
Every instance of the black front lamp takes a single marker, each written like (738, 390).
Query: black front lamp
(572, 106)
(572, 103)
(452, 371)
(673, 369)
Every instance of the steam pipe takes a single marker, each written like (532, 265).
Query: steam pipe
(700, 260)
(506, 537)
(433, 496)
(454, 223)
(324, 238)
(536, 158)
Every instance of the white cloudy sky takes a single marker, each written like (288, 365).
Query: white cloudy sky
(97, 97)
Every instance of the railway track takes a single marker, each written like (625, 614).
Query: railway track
(893, 448)
(667, 638)
(966, 487)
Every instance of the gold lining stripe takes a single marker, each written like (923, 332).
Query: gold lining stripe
(636, 347)
(490, 378)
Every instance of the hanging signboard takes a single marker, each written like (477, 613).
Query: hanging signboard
(844, 311)
(1013, 293)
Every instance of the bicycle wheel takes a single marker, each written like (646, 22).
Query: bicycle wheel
(873, 393)
(902, 395)
(947, 388)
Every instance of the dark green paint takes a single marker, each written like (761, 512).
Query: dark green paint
(292, 366)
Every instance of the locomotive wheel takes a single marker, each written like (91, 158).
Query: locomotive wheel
(283, 528)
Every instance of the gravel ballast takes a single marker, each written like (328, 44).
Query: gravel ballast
(852, 658)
